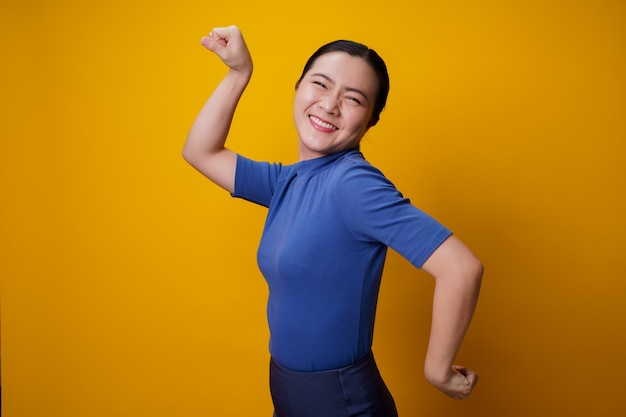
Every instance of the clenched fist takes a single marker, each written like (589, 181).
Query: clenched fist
(229, 45)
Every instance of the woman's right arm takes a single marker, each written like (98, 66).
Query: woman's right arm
(204, 148)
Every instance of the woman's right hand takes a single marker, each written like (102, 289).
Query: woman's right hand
(229, 45)
(205, 146)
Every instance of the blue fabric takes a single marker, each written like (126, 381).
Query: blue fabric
(322, 252)
(355, 390)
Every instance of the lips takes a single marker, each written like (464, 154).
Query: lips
(322, 125)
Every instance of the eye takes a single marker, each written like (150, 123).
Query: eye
(319, 83)
(353, 100)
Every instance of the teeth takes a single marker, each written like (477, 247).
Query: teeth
(323, 124)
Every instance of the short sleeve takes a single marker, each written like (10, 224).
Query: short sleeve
(255, 181)
(376, 211)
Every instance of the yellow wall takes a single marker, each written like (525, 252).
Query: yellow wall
(129, 283)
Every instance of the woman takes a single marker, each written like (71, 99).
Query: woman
(331, 218)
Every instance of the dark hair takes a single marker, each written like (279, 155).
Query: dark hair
(370, 56)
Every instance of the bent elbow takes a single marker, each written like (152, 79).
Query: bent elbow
(475, 274)
(474, 269)
(189, 156)
(185, 156)
(470, 272)
(185, 152)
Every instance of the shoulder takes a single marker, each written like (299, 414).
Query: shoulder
(356, 181)
(274, 170)
(354, 170)
(257, 181)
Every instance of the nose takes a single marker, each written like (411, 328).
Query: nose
(329, 103)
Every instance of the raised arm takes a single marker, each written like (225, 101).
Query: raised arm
(458, 276)
(204, 148)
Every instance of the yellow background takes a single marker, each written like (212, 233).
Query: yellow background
(129, 283)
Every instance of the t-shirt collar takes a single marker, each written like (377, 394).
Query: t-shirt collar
(313, 166)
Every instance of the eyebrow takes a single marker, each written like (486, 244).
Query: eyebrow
(330, 80)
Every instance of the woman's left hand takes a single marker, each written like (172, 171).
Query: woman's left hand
(458, 383)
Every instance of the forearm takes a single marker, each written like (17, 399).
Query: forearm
(208, 133)
(454, 303)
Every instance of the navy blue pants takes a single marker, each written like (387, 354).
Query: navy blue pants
(356, 390)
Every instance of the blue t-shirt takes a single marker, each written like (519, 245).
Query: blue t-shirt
(322, 252)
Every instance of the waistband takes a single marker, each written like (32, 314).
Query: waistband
(353, 390)
(360, 364)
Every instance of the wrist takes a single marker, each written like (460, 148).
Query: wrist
(437, 373)
(238, 79)
(242, 72)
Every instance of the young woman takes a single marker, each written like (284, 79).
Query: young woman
(331, 218)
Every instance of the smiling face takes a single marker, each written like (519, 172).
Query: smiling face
(333, 105)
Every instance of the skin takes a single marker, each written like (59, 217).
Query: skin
(332, 108)
(333, 104)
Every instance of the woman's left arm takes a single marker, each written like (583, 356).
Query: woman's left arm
(458, 274)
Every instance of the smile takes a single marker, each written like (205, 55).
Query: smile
(319, 122)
